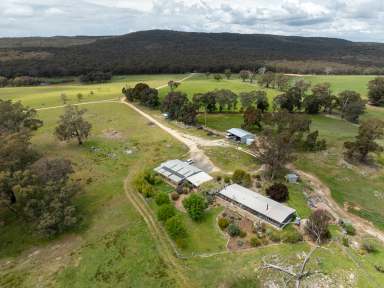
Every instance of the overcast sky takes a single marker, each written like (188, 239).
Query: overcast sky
(359, 20)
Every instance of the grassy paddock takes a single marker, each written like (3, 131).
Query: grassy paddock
(45, 96)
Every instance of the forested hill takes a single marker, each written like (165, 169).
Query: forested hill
(159, 51)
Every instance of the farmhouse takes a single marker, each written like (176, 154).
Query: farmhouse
(265, 208)
(178, 171)
(241, 135)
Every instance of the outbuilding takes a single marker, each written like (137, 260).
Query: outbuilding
(241, 135)
(263, 207)
(178, 171)
(292, 178)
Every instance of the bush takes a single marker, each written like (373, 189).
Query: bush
(165, 212)
(379, 268)
(176, 228)
(274, 236)
(227, 179)
(278, 192)
(348, 227)
(242, 178)
(183, 188)
(162, 198)
(369, 247)
(242, 234)
(223, 223)
(292, 236)
(195, 206)
(175, 196)
(147, 190)
(255, 242)
(233, 230)
(345, 241)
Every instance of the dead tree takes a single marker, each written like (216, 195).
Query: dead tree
(296, 276)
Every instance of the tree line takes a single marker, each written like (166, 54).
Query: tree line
(38, 189)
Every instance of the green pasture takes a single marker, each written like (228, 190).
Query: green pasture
(46, 96)
(339, 83)
(115, 248)
(115, 240)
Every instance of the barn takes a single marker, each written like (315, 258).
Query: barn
(178, 171)
(263, 207)
(240, 135)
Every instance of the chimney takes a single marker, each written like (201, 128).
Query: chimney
(267, 206)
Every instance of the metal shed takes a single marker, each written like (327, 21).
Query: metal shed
(178, 171)
(240, 135)
(263, 207)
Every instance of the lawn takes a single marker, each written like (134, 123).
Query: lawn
(230, 159)
(222, 121)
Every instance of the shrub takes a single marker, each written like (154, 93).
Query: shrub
(242, 234)
(292, 236)
(223, 223)
(379, 268)
(162, 198)
(218, 178)
(369, 246)
(278, 192)
(242, 178)
(255, 242)
(195, 206)
(183, 188)
(345, 241)
(274, 236)
(165, 212)
(147, 190)
(175, 196)
(176, 228)
(348, 227)
(227, 179)
(233, 230)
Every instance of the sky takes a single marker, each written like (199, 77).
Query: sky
(356, 20)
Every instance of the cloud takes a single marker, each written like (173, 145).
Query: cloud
(359, 20)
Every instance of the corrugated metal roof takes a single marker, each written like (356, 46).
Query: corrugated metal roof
(199, 178)
(257, 202)
(240, 132)
(177, 171)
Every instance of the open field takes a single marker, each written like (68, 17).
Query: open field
(113, 246)
(340, 83)
(45, 96)
(112, 229)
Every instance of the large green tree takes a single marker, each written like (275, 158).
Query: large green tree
(195, 206)
(351, 105)
(376, 91)
(72, 125)
(366, 141)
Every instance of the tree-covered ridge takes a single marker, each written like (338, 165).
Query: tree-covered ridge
(159, 51)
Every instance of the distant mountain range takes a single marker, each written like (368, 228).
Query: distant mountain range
(163, 51)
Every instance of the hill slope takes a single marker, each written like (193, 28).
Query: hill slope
(159, 51)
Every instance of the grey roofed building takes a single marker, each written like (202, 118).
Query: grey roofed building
(178, 171)
(240, 135)
(257, 204)
(292, 178)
